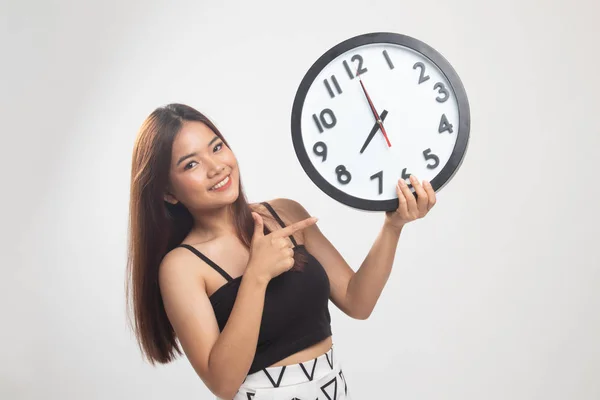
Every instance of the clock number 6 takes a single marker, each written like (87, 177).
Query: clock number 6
(343, 175)
(405, 175)
(322, 120)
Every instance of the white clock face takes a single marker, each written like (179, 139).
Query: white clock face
(342, 140)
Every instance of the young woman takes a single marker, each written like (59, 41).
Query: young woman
(242, 289)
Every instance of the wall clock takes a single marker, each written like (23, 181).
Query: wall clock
(375, 108)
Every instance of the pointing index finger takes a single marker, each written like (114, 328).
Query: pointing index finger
(289, 230)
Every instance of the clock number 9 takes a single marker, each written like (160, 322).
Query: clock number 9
(320, 149)
(321, 120)
(343, 175)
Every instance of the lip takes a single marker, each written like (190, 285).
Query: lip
(227, 185)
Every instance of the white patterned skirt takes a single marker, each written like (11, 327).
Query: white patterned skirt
(321, 378)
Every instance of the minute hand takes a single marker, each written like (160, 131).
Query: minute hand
(373, 131)
(374, 111)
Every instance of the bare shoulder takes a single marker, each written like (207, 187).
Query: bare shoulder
(177, 265)
(182, 264)
(179, 272)
(177, 268)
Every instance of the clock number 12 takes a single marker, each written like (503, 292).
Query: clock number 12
(361, 70)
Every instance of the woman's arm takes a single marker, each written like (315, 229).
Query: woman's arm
(368, 282)
(221, 359)
(356, 293)
(366, 285)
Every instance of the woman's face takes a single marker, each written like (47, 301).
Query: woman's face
(203, 173)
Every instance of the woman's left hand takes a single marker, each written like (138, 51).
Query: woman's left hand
(409, 207)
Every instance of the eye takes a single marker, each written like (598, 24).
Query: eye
(219, 145)
(189, 165)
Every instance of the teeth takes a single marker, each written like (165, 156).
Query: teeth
(221, 184)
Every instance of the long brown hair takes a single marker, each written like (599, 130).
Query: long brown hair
(156, 227)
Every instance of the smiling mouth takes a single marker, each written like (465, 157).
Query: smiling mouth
(222, 183)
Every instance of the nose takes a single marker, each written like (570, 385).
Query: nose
(214, 168)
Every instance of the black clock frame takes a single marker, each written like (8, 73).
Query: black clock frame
(435, 57)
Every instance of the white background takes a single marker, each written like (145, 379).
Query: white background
(493, 296)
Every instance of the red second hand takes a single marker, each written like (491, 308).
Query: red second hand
(374, 111)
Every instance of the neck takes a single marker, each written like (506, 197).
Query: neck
(213, 223)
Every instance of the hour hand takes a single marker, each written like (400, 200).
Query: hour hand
(374, 130)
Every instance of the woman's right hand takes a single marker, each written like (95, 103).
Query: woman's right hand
(272, 254)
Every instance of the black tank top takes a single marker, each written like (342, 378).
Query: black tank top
(295, 314)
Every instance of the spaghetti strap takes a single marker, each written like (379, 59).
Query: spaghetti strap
(272, 211)
(208, 261)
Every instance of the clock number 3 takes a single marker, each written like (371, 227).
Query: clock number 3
(441, 90)
(321, 121)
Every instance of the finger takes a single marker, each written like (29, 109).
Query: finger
(412, 200)
(411, 203)
(421, 200)
(289, 230)
(287, 263)
(402, 204)
(258, 225)
(280, 243)
(431, 199)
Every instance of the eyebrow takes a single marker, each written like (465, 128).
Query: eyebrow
(194, 153)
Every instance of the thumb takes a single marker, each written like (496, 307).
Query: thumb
(258, 225)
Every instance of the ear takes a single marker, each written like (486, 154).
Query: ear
(169, 198)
